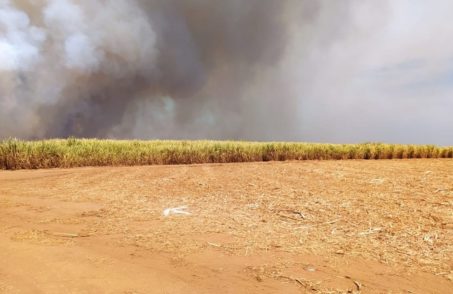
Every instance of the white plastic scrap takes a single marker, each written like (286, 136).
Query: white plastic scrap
(377, 181)
(176, 210)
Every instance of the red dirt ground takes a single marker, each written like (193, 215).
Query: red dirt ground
(292, 227)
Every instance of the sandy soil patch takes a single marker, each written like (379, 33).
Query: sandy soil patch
(291, 227)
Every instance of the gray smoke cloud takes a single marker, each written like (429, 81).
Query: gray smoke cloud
(125, 68)
(343, 71)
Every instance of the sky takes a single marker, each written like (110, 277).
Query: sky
(345, 71)
(387, 76)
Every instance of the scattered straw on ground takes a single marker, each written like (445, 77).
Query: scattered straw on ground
(398, 213)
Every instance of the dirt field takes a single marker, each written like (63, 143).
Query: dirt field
(293, 227)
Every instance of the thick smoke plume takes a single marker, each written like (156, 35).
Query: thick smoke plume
(144, 69)
(336, 71)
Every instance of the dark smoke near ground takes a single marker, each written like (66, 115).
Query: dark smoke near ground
(160, 68)
(335, 71)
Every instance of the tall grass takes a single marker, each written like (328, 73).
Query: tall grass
(64, 153)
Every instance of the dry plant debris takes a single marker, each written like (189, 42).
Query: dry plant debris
(270, 216)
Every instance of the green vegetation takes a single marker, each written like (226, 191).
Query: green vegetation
(17, 154)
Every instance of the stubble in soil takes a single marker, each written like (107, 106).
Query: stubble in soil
(292, 227)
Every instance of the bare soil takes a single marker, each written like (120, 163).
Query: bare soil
(292, 227)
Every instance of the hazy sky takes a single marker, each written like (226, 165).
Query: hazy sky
(383, 71)
(326, 71)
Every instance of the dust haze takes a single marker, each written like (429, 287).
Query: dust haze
(255, 70)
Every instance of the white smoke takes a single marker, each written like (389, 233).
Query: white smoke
(20, 42)
(228, 69)
(71, 40)
(78, 35)
(88, 33)
(97, 68)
